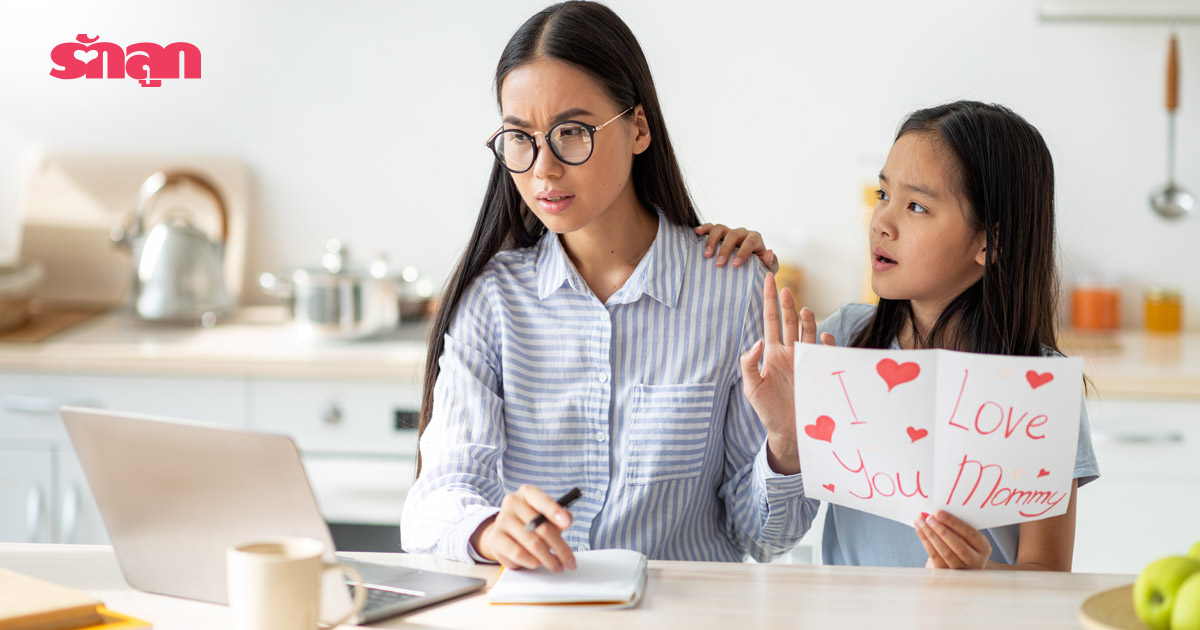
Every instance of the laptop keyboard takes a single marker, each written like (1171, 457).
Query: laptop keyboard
(378, 598)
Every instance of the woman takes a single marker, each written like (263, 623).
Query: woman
(585, 341)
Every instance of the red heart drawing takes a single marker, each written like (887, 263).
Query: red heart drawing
(1037, 380)
(916, 434)
(897, 373)
(1043, 472)
(822, 430)
(828, 486)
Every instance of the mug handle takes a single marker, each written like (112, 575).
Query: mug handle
(360, 593)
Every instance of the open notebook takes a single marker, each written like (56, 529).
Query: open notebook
(603, 577)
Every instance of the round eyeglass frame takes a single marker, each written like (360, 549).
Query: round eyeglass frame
(591, 129)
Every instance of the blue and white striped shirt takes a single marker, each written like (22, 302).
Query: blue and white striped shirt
(637, 401)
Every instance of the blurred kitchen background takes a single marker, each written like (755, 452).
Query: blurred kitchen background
(365, 121)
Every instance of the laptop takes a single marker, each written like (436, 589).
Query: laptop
(174, 494)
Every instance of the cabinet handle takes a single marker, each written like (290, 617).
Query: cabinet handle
(33, 515)
(70, 515)
(1164, 436)
(332, 414)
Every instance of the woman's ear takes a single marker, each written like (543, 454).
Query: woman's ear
(641, 131)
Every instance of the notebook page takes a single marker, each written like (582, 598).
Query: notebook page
(603, 575)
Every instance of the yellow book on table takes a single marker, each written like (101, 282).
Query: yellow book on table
(27, 603)
(603, 577)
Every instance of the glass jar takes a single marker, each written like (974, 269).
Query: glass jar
(1164, 310)
(1096, 306)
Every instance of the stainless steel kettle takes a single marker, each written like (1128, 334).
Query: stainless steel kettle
(178, 269)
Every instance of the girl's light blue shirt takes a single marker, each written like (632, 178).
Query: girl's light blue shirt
(637, 401)
(856, 538)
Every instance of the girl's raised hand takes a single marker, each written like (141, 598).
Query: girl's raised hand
(770, 389)
(751, 243)
(505, 540)
(951, 543)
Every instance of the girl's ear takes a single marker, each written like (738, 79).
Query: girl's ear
(641, 131)
(981, 254)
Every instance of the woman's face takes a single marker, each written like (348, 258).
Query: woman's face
(922, 246)
(542, 93)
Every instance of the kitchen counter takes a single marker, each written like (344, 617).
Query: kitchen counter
(1137, 364)
(258, 343)
(693, 595)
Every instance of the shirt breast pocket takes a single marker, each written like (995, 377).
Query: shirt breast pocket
(668, 432)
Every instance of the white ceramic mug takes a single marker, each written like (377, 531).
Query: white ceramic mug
(275, 584)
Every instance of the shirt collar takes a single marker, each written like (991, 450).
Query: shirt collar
(658, 275)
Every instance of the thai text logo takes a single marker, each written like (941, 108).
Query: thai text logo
(89, 58)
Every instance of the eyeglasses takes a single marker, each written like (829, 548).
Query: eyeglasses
(570, 141)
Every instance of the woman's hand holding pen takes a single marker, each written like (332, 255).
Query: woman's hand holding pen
(951, 543)
(770, 389)
(505, 539)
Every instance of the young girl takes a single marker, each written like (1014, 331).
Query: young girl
(585, 341)
(962, 257)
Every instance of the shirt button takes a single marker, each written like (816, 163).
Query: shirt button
(604, 316)
(603, 377)
(600, 437)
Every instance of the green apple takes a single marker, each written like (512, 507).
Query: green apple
(1194, 552)
(1156, 587)
(1186, 613)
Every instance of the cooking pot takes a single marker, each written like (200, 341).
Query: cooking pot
(336, 301)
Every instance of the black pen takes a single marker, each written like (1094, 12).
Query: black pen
(564, 500)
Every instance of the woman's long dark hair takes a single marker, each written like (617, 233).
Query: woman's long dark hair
(1006, 179)
(592, 37)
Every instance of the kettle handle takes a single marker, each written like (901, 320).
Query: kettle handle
(163, 179)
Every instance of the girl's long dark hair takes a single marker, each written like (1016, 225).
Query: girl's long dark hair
(592, 37)
(1006, 179)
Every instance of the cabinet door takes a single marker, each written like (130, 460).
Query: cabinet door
(26, 495)
(76, 517)
(29, 403)
(1144, 504)
(331, 417)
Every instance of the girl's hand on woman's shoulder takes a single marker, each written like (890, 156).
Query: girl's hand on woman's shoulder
(504, 538)
(951, 543)
(751, 244)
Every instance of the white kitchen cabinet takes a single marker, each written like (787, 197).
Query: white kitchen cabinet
(358, 445)
(339, 417)
(26, 494)
(43, 493)
(1144, 505)
(77, 519)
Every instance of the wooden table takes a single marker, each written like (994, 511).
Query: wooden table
(679, 595)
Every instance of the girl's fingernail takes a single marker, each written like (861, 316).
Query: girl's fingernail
(562, 520)
(931, 519)
(708, 251)
(737, 261)
(720, 260)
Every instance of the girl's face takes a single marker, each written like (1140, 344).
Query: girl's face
(922, 247)
(542, 93)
